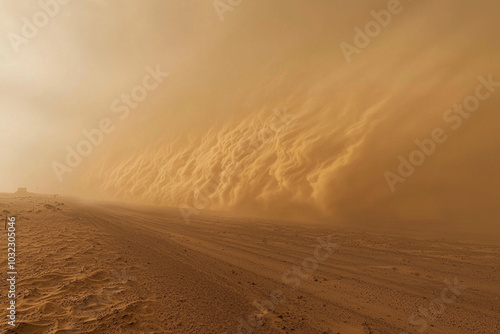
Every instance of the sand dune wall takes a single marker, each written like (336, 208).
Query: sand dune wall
(349, 124)
(320, 156)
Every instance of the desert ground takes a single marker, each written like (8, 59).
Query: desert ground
(96, 267)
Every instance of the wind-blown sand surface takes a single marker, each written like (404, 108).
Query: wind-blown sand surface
(87, 267)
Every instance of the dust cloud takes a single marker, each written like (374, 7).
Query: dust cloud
(263, 114)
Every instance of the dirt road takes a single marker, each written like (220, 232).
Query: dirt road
(107, 268)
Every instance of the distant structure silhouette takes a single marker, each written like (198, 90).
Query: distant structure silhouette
(22, 191)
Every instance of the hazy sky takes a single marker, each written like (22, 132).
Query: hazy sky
(225, 78)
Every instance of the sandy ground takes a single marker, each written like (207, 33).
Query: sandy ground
(108, 268)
